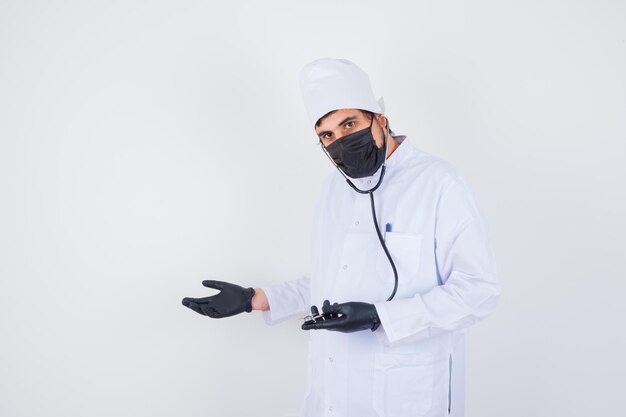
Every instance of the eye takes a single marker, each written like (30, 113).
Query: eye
(349, 125)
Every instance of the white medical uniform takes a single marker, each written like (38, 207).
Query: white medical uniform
(412, 365)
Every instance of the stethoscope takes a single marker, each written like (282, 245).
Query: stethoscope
(371, 194)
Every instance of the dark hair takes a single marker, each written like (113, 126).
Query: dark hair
(367, 113)
(371, 114)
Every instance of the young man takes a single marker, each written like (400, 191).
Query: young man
(401, 257)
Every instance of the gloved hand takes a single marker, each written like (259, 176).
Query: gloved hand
(231, 300)
(355, 316)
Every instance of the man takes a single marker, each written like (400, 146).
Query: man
(400, 246)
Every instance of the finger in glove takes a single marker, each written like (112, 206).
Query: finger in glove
(328, 324)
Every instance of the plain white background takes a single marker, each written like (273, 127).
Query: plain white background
(146, 146)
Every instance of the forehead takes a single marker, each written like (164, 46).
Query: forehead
(331, 120)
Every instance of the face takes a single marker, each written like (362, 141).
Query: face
(345, 121)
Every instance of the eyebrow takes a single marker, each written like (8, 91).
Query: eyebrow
(347, 119)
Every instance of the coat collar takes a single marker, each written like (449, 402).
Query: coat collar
(392, 163)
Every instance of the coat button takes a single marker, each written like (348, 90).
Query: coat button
(345, 267)
(331, 360)
(330, 408)
(356, 223)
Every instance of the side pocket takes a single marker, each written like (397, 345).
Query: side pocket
(403, 384)
(449, 384)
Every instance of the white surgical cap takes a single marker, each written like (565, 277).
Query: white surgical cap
(329, 84)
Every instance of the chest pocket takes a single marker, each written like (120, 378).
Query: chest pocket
(405, 251)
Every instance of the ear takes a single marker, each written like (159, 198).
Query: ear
(382, 121)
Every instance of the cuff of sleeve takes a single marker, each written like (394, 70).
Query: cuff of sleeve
(268, 314)
(381, 334)
(400, 319)
(277, 312)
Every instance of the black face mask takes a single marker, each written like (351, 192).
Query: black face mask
(357, 154)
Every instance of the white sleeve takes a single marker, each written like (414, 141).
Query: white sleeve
(466, 268)
(287, 299)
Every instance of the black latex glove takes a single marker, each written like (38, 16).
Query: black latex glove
(346, 317)
(231, 300)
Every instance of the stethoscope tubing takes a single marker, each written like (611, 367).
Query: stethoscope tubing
(371, 194)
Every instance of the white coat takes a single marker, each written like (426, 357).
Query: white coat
(413, 364)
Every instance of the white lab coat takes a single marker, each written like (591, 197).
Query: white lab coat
(412, 365)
